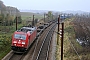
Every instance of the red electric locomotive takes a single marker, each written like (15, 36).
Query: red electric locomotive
(23, 38)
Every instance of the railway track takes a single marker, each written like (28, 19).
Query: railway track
(16, 56)
(35, 51)
(45, 47)
(36, 48)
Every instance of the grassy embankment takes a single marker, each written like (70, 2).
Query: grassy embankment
(5, 39)
(69, 53)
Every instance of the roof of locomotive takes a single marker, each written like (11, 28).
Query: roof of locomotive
(19, 32)
(27, 29)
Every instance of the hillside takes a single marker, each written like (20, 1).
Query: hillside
(12, 11)
(8, 14)
(8, 10)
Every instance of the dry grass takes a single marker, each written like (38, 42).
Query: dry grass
(69, 53)
(69, 34)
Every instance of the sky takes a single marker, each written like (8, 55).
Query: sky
(52, 5)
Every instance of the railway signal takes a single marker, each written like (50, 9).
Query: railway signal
(60, 33)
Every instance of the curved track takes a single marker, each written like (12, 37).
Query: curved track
(40, 45)
(36, 49)
(44, 49)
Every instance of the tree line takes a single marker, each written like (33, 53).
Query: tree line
(8, 20)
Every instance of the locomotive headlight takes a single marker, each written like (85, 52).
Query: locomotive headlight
(14, 41)
(23, 42)
(22, 45)
(15, 44)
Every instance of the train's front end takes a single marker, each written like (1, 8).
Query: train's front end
(19, 41)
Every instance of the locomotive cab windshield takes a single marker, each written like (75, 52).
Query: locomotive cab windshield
(20, 36)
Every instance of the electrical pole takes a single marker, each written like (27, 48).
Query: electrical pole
(61, 30)
(33, 21)
(62, 36)
(52, 16)
(61, 33)
(44, 17)
(58, 30)
(16, 22)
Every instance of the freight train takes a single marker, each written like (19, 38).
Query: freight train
(23, 38)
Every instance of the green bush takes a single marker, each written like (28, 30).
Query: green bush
(5, 40)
